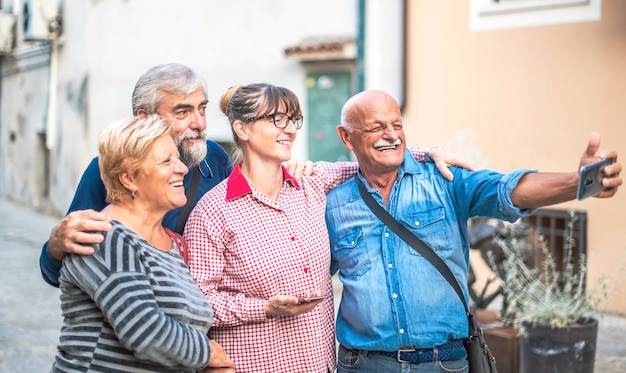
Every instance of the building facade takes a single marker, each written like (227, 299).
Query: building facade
(509, 83)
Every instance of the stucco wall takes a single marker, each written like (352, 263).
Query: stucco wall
(23, 120)
(107, 45)
(525, 97)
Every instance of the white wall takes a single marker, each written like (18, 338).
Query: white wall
(107, 45)
(229, 42)
(22, 121)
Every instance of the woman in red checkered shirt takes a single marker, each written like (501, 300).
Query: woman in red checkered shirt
(258, 243)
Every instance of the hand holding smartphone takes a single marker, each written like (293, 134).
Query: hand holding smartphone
(590, 182)
(307, 299)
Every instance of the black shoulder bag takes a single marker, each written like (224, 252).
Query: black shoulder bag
(480, 359)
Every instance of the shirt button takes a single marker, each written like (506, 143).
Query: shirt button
(394, 296)
(417, 223)
(401, 331)
(293, 238)
(390, 265)
(352, 243)
(386, 234)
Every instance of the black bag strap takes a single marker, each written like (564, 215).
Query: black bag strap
(191, 199)
(408, 237)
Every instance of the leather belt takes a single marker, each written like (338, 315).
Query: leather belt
(452, 350)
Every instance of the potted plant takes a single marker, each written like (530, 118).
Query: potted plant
(551, 308)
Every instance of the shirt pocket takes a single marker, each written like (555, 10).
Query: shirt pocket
(351, 254)
(430, 226)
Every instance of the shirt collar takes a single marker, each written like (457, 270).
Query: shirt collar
(238, 186)
(409, 166)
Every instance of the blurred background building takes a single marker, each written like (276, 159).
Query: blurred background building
(509, 83)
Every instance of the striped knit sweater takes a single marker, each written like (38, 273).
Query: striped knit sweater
(131, 308)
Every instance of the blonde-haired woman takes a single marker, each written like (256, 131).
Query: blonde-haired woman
(258, 243)
(133, 305)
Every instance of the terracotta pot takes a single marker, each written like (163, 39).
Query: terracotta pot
(559, 350)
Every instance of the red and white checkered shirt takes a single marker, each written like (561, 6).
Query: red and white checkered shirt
(244, 248)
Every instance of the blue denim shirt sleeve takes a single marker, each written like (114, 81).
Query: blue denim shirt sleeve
(485, 193)
(393, 298)
(505, 188)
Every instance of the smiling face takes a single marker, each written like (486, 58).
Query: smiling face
(373, 129)
(264, 119)
(159, 181)
(187, 116)
(268, 142)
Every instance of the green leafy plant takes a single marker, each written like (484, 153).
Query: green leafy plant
(547, 295)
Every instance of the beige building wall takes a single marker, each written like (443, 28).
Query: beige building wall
(525, 97)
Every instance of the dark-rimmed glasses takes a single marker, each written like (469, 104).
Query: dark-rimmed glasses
(281, 120)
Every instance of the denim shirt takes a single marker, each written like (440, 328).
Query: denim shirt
(392, 297)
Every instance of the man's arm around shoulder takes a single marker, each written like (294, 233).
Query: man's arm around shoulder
(80, 228)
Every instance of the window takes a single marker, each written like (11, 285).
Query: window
(500, 14)
(552, 225)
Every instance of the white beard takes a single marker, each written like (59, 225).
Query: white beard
(194, 153)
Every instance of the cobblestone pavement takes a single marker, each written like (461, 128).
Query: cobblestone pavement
(30, 318)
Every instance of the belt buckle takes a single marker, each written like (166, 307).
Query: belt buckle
(401, 350)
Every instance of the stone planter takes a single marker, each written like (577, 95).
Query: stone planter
(563, 350)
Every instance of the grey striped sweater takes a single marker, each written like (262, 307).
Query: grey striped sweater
(131, 308)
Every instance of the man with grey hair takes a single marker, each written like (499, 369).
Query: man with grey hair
(179, 95)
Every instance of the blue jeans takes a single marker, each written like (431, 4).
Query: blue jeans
(350, 361)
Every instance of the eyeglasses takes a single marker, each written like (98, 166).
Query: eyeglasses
(281, 120)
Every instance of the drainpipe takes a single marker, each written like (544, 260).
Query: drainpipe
(403, 58)
(51, 123)
(360, 47)
(383, 43)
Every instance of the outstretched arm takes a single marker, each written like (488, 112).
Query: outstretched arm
(543, 189)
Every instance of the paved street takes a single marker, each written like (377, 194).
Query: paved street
(29, 309)
(30, 314)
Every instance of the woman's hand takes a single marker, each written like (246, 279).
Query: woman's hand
(444, 159)
(219, 362)
(297, 169)
(284, 305)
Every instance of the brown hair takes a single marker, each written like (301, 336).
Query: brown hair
(247, 102)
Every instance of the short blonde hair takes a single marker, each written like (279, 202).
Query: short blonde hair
(123, 146)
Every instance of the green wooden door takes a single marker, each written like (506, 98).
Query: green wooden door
(326, 94)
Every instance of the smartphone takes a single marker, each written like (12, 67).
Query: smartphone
(590, 183)
(312, 298)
